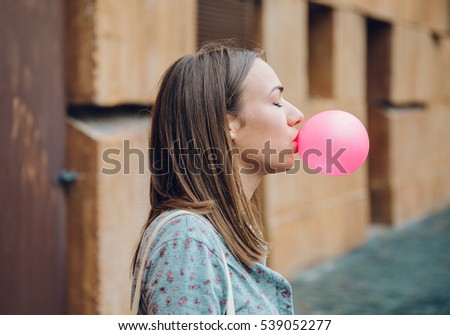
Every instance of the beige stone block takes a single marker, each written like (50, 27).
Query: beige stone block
(446, 118)
(439, 183)
(411, 62)
(415, 182)
(349, 55)
(82, 272)
(106, 209)
(343, 4)
(407, 154)
(302, 238)
(354, 105)
(284, 38)
(435, 134)
(415, 11)
(438, 16)
(284, 191)
(430, 133)
(402, 62)
(439, 167)
(439, 70)
(118, 51)
(445, 45)
(387, 10)
(422, 88)
(446, 182)
(402, 163)
(401, 202)
(412, 199)
(317, 105)
(405, 143)
(326, 187)
(431, 14)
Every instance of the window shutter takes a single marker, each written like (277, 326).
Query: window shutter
(223, 19)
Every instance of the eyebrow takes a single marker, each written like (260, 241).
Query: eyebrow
(278, 87)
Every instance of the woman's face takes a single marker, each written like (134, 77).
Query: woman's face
(264, 130)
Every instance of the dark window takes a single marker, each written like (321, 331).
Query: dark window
(320, 51)
(224, 19)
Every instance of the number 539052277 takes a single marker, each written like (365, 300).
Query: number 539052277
(295, 324)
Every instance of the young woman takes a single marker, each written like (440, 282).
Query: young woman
(218, 126)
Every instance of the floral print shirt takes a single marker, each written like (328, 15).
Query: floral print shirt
(184, 274)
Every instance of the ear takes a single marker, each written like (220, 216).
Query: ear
(234, 124)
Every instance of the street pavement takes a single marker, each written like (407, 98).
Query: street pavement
(398, 271)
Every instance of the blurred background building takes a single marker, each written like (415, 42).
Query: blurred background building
(78, 78)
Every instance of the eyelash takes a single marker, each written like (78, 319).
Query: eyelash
(278, 104)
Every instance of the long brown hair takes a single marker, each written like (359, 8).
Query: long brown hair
(191, 152)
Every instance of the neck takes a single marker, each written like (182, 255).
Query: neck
(249, 183)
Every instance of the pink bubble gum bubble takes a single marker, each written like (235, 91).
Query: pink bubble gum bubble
(333, 143)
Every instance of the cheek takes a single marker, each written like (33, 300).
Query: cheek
(268, 122)
(263, 124)
(275, 128)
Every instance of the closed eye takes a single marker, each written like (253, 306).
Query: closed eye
(278, 104)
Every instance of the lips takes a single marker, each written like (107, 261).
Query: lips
(295, 142)
(295, 145)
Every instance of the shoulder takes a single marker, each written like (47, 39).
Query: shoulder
(182, 227)
(184, 267)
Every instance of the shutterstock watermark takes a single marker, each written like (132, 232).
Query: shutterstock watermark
(331, 158)
(190, 159)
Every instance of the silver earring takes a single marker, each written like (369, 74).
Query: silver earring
(232, 136)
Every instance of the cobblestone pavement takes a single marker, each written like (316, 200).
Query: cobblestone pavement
(399, 271)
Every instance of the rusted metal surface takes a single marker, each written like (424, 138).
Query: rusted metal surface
(32, 113)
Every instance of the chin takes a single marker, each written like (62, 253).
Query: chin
(288, 164)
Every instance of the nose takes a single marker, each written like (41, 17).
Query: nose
(295, 116)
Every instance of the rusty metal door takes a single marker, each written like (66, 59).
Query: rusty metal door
(32, 113)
